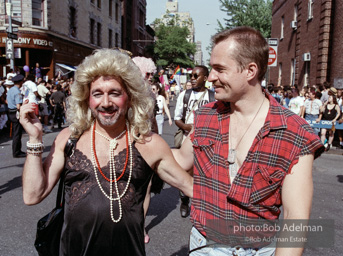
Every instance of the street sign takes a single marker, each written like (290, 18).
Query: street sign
(14, 29)
(9, 49)
(272, 60)
(272, 57)
(12, 36)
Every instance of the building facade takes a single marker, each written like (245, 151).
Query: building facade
(60, 34)
(310, 45)
(136, 35)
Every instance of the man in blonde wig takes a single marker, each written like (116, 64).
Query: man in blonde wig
(107, 175)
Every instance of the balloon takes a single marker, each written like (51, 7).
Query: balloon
(26, 68)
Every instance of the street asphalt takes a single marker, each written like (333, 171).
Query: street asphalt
(168, 231)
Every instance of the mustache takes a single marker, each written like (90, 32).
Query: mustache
(108, 109)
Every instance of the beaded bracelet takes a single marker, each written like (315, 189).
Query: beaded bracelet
(34, 153)
(35, 147)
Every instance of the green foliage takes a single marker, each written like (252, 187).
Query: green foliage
(172, 47)
(252, 13)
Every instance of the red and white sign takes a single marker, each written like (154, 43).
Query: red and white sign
(272, 56)
(272, 60)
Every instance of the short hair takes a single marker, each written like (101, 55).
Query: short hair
(204, 69)
(326, 85)
(251, 46)
(109, 62)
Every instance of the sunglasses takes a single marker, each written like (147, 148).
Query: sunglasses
(195, 76)
(149, 74)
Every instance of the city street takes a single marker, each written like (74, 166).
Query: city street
(168, 231)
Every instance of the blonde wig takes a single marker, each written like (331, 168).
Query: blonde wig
(108, 62)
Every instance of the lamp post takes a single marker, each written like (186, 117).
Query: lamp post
(9, 14)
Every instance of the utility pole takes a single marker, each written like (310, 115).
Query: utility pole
(10, 35)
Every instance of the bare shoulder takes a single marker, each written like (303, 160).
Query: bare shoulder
(153, 148)
(62, 138)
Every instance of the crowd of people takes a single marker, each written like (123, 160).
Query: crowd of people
(314, 103)
(243, 156)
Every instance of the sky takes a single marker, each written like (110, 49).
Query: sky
(204, 13)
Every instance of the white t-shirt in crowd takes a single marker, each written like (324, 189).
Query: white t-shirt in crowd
(312, 107)
(29, 88)
(193, 99)
(42, 91)
(295, 104)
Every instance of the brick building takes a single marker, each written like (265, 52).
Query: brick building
(59, 34)
(310, 49)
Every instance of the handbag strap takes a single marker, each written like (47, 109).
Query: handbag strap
(68, 151)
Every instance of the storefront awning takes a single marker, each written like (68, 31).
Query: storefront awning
(63, 69)
(68, 67)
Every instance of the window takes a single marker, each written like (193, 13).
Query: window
(116, 40)
(110, 2)
(16, 9)
(310, 9)
(72, 27)
(307, 73)
(117, 12)
(282, 27)
(99, 4)
(110, 38)
(295, 12)
(280, 74)
(91, 29)
(37, 12)
(293, 62)
(98, 40)
(141, 18)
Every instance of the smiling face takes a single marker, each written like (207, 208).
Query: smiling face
(108, 100)
(228, 79)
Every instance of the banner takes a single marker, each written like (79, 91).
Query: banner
(324, 124)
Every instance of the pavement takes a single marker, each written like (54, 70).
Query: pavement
(169, 232)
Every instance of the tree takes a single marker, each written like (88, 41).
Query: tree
(172, 47)
(252, 13)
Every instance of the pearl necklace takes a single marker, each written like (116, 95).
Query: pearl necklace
(113, 173)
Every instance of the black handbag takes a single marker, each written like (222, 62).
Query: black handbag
(49, 227)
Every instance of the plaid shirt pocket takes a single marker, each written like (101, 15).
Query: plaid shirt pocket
(204, 151)
(266, 186)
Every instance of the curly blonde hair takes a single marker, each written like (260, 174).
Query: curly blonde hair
(108, 62)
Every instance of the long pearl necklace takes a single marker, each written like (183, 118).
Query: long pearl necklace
(113, 177)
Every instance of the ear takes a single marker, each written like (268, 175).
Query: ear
(252, 71)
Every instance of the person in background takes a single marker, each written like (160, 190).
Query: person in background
(109, 113)
(14, 101)
(29, 90)
(312, 108)
(58, 103)
(250, 156)
(188, 85)
(330, 111)
(161, 108)
(296, 104)
(43, 106)
(325, 91)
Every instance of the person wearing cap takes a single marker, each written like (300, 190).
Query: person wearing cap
(330, 111)
(14, 101)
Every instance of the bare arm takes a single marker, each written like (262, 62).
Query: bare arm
(297, 192)
(40, 178)
(159, 156)
(184, 156)
(165, 107)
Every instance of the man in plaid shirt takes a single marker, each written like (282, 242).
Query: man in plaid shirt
(250, 156)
